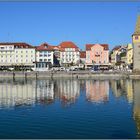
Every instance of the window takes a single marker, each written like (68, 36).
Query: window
(45, 60)
(49, 60)
(49, 54)
(40, 60)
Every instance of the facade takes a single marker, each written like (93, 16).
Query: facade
(122, 56)
(114, 55)
(82, 59)
(69, 54)
(97, 54)
(16, 55)
(56, 59)
(129, 54)
(44, 57)
(136, 46)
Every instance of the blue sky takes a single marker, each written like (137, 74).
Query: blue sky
(81, 22)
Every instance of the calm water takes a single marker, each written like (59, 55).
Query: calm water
(69, 109)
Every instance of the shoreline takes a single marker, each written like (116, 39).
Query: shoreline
(70, 75)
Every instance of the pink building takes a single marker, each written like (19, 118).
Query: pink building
(97, 54)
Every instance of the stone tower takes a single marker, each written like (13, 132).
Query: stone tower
(136, 46)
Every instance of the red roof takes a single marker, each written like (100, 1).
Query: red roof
(82, 54)
(88, 46)
(18, 44)
(46, 47)
(68, 44)
(117, 47)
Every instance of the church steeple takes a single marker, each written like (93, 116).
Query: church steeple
(136, 35)
(137, 29)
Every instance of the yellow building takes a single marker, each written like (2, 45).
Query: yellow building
(129, 54)
(16, 54)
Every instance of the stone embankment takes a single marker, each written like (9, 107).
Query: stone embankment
(70, 74)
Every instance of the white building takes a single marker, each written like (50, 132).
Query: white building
(44, 57)
(70, 53)
(16, 54)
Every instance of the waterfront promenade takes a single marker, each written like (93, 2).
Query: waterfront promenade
(70, 74)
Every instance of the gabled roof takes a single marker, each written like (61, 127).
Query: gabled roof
(46, 47)
(18, 44)
(116, 48)
(67, 44)
(105, 46)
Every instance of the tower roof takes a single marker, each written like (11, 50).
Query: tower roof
(137, 28)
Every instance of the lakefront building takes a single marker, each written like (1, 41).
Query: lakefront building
(114, 55)
(17, 55)
(44, 57)
(136, 46)
(69, 54)
(97, 54)
(82, 59)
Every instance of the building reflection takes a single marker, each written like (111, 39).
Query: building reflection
(21, 92)
(122, 88)
(136, 105)
(44, 91)
(97, 91)
(68, 91)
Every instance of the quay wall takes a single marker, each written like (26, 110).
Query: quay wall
(71, 74)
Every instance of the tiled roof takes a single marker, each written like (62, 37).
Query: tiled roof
(117, 48)
(82, 54)
(88, 46)
(68, 44)
(19, 44)
(45, 47)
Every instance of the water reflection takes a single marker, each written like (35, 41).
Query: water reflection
(21, 92)
(97, 91)
(67, 92)
(122, 88)
(136, 106)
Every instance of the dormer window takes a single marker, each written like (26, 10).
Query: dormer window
(45, 47)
